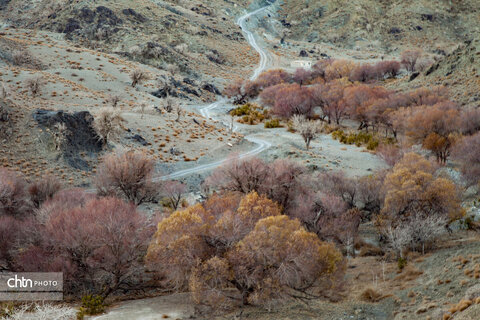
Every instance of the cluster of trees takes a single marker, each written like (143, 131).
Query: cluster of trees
(265, 232)
(332, 205)
(98, 240)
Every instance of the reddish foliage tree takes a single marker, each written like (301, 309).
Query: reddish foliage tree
(273, 77)
(433, 126)
(269, 95)
(13, 194)
(364, 73)
(302, 76)
(293, 99)
(470, 121)
(467, 152)
(409, 59)
(389, 69)
(9, 235)
(43, 190)
(98, 246)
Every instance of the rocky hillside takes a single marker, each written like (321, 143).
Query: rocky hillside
(200, 38)
(387, 24)
(459, 71)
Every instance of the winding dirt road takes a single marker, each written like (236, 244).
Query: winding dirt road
(262, 145)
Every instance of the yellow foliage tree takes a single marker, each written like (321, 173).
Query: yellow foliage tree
(411, 188)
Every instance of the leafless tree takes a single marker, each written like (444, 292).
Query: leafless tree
(34, 85)
(138, 76)
(60, 135)
(108, 124)
(308, 129)
(179, 111)
(174, 191)
(169, 104)
(409, 59)
(129, 175)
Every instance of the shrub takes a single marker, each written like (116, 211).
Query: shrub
(412, 188)
(467, 152)
(91, 305)
(272, 123)
(34, 85)
(371, 295)
(108, 124)
(128, 175)
(138, 76)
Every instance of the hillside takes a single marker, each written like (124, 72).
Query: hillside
(386, 25)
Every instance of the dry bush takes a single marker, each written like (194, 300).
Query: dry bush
(371, 295)
(308, 129)
(43, 189)
(34, 85)
(113, 100)
(412, 188)
(408, 273)
(108, 124)
(128, 175)
(138, 76)
(43, 312)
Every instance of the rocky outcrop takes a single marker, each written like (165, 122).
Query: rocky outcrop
(80, 137)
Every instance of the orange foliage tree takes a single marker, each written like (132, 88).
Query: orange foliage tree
(213, 248)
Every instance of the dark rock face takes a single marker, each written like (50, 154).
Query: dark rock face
(414, 75)
(303, 54)
(139, 139)
(80, 137)
(210, 88)
(86, 22)
(4, 3)
(134, 15)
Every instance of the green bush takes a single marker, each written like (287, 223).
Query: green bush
(273, 123)
(242, 110)
(402, 263)
(91, 305)
(359, 139)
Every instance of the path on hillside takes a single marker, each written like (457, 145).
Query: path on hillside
(261, 144)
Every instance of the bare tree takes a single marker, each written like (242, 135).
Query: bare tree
(138, 76)
(174, 191)
(169, 105)
(179, 111)
(308, 129)
(108, 124)
(409, 59)
(60, 135)
(34, 85)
